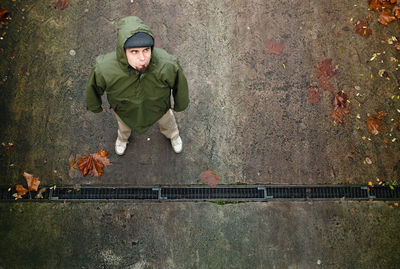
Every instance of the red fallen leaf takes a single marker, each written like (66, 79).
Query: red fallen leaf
(94, 163)
(381, 115)
(274, 47)
(61, 4)
(396, 12)
(4, 14)
(210, 178)
(375, 5)
(363, 29)
(339, 107)
(314, 95)
(375, 124)
(20, 191)
(33, 182)
(386, 16)
(325, 72)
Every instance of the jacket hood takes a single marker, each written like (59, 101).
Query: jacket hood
(127, 27)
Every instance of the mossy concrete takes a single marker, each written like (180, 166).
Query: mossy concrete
(341, 234)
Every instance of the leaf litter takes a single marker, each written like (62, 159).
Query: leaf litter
(94, 163)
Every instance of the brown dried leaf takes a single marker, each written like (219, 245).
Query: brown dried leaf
(314, 95)
(386, 16)
(397, 46)
(339, 107)
(363, 29)
(20, 191)
(94, 163)
(325, 72)
(61, 4)
(375, 125)
(375, 5)
(210, 178)
(33, 182)
(274, 47)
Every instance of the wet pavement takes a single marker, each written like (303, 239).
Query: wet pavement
(250, 121)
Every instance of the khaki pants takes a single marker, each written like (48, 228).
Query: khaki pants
(167, 123)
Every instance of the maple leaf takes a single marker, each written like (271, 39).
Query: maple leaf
(363, 29)
(20, 191)
(339, 107)
(210, 178)
(314, 95)
(325, 72)
(94, 163)
(4, 14)
(375, 5)
(375, 124)
(61, 4)
(274, 47)
(33, 182)
(386, 16)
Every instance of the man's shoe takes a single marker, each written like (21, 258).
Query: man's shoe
(120, 147)
(177, 144)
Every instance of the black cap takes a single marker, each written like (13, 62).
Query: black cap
(139, 40)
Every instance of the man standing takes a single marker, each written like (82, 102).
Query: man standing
(138, 80)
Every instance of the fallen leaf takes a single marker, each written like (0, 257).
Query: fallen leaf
(397, 46)
(20, 191)
(368, 160)
(210, 178)
(363, 29)
(4, 14)
(94, 163)
(386, 16)
(61, 4)
(339, 107)
(375, 124)
(375, 5)
(274, 47)
(325, 72)
(33, 182)
(314, 95)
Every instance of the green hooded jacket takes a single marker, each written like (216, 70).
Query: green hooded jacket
(139, 100)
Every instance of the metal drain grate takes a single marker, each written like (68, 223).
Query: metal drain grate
(221, 193)
(226, 193)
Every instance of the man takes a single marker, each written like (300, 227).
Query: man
(138, 80)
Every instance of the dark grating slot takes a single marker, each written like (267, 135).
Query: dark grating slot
(385, 193)
(104, 194)
(6, 195)
(207, 193)
(316, 192)
(211, 193)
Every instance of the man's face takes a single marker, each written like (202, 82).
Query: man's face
(138, 58)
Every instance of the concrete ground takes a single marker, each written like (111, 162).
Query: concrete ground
(250, 121)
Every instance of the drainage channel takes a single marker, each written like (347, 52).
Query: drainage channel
(220, 193)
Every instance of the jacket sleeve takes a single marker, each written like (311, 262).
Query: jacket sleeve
(94, 91)
(180, 90)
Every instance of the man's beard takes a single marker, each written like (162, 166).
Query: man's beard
(141, 69)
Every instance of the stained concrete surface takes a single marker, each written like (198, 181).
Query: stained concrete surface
(249, 121)
(199, 235)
